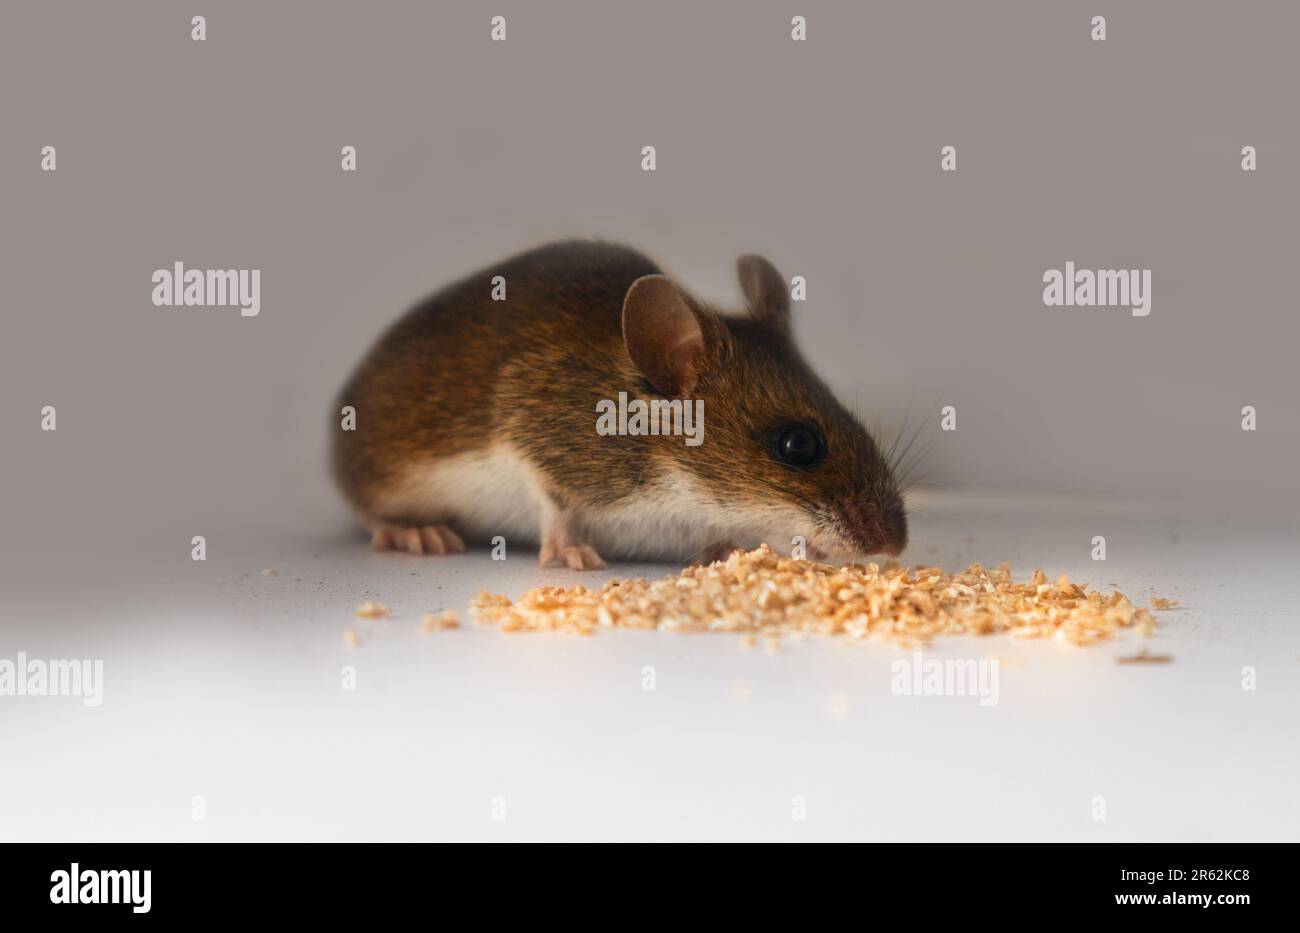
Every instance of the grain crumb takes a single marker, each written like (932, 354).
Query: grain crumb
(761, 595)
(438, 621)
(270, 572)
(372, 610)
(350, 638)
(1159, 603)
(1144, 657)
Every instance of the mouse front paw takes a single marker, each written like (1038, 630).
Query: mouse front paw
(573, 556)
(562, 547)
(423, 539)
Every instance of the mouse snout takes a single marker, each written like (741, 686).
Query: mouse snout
(895, 529)
(875, 527)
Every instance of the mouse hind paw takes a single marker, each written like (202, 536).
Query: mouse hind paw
(415, 539)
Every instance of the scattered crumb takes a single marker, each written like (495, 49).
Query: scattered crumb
(270, 572)
(485, 606)
(760, 594)
(838, 706)
(372, 610)
(772, 645)
(350, 638)
(433, 622)
(1144, 657)
(1158, 603)
(748, 642)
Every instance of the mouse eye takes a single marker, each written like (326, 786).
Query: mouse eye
(798, 445)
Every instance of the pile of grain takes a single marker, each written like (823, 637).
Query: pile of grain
(761, 593)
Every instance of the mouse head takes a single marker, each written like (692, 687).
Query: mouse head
(780, 457)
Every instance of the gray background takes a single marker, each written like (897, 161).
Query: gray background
(925, 287)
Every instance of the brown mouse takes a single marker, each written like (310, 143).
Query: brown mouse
(477, 417)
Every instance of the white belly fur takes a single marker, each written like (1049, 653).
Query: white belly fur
(496, 492)
(482, 494)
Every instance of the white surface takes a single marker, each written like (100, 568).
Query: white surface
(225, 684)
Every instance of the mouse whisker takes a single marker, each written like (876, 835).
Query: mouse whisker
(923, 478)
(904, 467)
(889, 454)
(895, 457)
(920, 457)
(896, 460)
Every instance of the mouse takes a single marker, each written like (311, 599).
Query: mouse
(486, 414)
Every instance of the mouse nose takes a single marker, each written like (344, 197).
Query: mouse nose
(877, 528)
(895, 526)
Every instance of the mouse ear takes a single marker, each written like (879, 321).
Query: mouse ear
(666, 336)
(765, 290)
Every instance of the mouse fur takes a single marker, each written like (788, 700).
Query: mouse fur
(476, 418)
